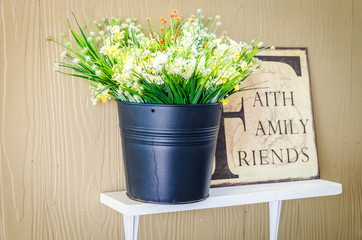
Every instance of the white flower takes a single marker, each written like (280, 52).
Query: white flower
(202, 62)
(174, 70)
(76, 60)
(98, 72)
(199, 11)
(205, 72)
(94, 67)
(217, 17)
(158, 80)
(187, 33)
(128, 67)
(115, 29)
(223, 47)
(177, 66)
(116, 77)
(92, 34)
(87, 58)
(159, 62)
(138, 70)
(140, 36)
(89, 39)
(272, 47)
(56, 66)
(101, 33)
(218, 24)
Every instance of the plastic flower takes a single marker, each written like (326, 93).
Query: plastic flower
(184, 63)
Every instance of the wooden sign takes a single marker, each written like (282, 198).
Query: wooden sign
(267, 134)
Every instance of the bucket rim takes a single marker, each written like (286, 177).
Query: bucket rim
(167, 203)
(169, 105)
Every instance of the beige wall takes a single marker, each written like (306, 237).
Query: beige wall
(58, 152)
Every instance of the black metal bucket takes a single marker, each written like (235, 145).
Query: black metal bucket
(168, 150)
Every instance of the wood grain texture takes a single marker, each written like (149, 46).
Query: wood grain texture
(58, 152)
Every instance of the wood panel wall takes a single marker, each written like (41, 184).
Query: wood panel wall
(58, 152)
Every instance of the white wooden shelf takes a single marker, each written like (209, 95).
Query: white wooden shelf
(273, 193)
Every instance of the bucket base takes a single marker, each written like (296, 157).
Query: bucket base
(168, 203)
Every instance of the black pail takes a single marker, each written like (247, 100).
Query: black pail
(168, 150)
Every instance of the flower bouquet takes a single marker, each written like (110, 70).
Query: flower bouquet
(169, 82)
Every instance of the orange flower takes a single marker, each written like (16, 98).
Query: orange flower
(161, 41)
(174, 11)
(175, 15)
(153, 36)
(177, 19)
(204, 44)
(148, 19)
(172, 39)
(171, 15)
(177, 32)
(161, 28)
(162, 18)
(164, 21)
(192, 20)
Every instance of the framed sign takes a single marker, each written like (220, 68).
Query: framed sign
(267, 134)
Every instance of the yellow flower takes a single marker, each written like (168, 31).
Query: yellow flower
(118, 36)
(224, 81)
(236, 87)
(244, 65)
(224, 101)
(104, 98)
(112, 50)
(236, 56)
(115, 68)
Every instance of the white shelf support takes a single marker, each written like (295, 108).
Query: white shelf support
(130, 226)
(274, 217)
(274, 193)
